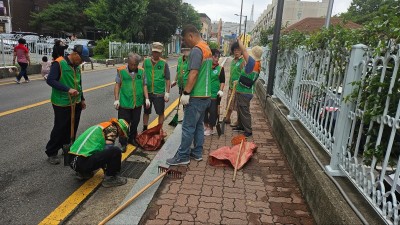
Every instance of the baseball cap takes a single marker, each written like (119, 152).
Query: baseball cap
(157, 47)
(83, 52)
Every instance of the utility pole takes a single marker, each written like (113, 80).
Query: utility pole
(329, 14)
(245, 22)
(240, 23)
(274, 50)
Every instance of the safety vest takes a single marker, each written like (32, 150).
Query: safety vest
(202, 87)
(215, 84)
(182, 72)
(131, 93)
(91, 141)
(70, 78)
(253, 75)
(235, 71)
(155, 76)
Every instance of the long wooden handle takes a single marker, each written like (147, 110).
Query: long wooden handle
(119, 209)
(230, 99)
(237, 161)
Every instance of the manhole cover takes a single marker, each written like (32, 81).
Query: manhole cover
(133, 169)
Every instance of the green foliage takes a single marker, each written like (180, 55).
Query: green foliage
(123, 18)
(65, 15)
(161, 20)
(362, 11)
(188, 15)
(292, 41)
(102, 47)
(264, 36)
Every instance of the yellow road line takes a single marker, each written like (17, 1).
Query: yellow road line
(84, 191)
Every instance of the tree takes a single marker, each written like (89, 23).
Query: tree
(188, 15)
(65, 15)
(264, 34)
(161, 20)
(362, 11)
(122, 18)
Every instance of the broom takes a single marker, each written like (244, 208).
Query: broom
(174, 121)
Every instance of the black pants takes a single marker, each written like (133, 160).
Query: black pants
(132, 116)
(109, 159)
(212, 113)
(61, 133)
(23, 72)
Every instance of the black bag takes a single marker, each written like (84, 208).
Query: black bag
(246, 82)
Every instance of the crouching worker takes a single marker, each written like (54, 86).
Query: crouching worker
(94, 149)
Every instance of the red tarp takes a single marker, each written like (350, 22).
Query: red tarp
(226, 156)
(151, 139)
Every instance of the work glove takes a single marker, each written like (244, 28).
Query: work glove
(166, 97)
(116, 104)
(147, 103)
(185, 99)
(173, 84)
(220, 93)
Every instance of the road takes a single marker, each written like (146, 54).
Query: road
(30, 187)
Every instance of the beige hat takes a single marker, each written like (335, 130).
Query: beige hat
(256, 53)
(157, 47)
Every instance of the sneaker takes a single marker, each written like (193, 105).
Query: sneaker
(237, 128)
(196, 158)
(248, 134)
(207, 132)
(84, 176)
(54, 160)
(234, 124)
(177, 161)
(123, 148)
(227, 121)
(17, 81)
(113, 181)
(212, 132)
(27, 81)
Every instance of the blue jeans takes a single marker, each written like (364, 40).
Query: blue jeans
(193, 128)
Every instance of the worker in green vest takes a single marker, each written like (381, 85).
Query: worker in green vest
(217, 87)
(94, 149)
(130, 94)
(158, 83)
(66, 98)
(195, 97)
(245, 88)
(182, 71)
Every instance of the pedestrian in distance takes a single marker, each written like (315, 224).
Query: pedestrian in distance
(45, 67)
(236, 67)
(196, 97)
(66, 98)
(245, 88)
(130, 94)
(182, 71)
(95, 149)
(158, 83)
(58, 49)
(217, 87)
(21, 53)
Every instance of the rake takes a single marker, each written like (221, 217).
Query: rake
(164, 171)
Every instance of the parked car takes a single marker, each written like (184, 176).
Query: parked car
(86, 42)
(7, 42)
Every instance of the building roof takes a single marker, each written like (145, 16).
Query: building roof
(312, 24)
(204, 16)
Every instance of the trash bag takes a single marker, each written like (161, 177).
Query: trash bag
(151, 139)
(226, 156)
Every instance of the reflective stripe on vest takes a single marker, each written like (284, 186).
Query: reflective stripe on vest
(155, 76)
(131, 93)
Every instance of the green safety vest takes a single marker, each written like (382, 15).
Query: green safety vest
(202, 87)
(155, 76)
(235, 70)
(91, 141)
(182, 71)
(70, 78)
(131, 93)
(215, 84)
(253, 75)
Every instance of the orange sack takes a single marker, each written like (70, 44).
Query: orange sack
(226, 156)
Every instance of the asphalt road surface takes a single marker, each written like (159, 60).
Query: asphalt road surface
(31, 188)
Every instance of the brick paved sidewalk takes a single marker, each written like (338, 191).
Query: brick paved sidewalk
(265, 191)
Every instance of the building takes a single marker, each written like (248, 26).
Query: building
(293, 11)
(312, 24)
(5, 19)
(205, 26)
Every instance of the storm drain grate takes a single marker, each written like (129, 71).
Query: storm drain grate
(133, 169)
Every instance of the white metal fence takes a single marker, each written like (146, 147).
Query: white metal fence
(121, 50)
(361, 133)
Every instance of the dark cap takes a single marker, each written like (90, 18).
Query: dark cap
(83, 52)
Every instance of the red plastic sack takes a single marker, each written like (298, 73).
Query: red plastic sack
(151, 139)
(226, 156)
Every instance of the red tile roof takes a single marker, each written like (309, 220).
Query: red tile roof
(312, 24)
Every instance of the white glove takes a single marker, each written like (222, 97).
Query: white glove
(166, 97)
(147, 103)
(116, 104)
(220, 93)
(185, 99)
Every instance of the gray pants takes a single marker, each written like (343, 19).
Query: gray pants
(243, 111)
